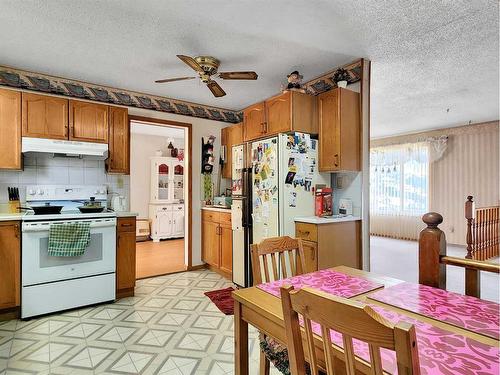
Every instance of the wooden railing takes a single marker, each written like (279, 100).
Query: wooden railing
(433, 259)
(483, 225)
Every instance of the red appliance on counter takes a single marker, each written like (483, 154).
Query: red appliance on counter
(324, 202)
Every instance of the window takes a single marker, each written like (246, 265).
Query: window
(399, 179)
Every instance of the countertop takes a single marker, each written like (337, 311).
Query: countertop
(218, 209)
(326, 220)
(126, 214)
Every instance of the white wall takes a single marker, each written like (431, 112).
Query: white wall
(200, 128)
(142, 147)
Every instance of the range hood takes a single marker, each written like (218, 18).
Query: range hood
(57, 147)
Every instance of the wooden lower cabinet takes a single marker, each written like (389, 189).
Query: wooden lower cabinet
(311, 256)
(217, 241)
(125, 257)
(10, 264)
(337, 243)
(226, 248)
(210, 243)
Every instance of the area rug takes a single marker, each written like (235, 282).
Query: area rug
(222, 299)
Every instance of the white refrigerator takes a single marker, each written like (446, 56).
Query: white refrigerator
(284, 175)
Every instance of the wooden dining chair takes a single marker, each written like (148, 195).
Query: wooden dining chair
(353, 320)
(277, 258)
(274, 259)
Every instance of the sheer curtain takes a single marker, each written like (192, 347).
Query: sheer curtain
(399, 189)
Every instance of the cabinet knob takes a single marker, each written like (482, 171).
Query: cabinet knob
(336, 156)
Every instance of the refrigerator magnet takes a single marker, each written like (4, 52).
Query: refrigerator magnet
(289, 177)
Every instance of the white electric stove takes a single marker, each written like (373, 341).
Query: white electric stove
(52, 283)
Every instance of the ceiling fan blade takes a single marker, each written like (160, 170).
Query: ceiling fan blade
(173, 79)
(238, 75)
(216, 89)
(192, 63)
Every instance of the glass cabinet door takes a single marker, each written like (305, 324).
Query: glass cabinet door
(163, 181)
(178, 181)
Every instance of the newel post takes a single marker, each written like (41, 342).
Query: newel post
(432, 245)
(469, 215)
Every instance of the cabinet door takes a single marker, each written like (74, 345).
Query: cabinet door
(119, 141)
(226, 248)
(278, 114)
(231, 136)
(10, 267)
(210, 243)
(45, 116)
(178, 223)
(311, 256)
(88, 122)
(254, 121)
(10, 129)
(164, 223)
(177, 181)
(125, 260)
(329, 130)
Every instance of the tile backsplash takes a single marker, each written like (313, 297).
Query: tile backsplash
(47, 170)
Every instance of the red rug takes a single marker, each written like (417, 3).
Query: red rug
(222, 299)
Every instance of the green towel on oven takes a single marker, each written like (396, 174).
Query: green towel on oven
(69, 239)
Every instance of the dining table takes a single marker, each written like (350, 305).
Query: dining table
(456, 334)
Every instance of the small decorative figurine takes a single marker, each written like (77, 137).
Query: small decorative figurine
(294, 80)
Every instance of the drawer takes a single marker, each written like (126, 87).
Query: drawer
(126, 224)
(177, 207)
(306, 231)
(163, 208)
(210, 216)
(225, 218)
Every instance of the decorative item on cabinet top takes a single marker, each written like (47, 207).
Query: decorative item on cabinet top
(26, 80)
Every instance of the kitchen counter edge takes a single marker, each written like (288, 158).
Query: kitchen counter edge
(218, 209)
(325, 220)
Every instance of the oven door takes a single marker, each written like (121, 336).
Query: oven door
(38, 267)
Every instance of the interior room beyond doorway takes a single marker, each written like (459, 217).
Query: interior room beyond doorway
(158, 194)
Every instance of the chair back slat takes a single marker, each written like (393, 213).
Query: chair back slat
(310, 346)
(353, 320)
(349, 358)
(281, 257)
(375, 360)
(328, 349)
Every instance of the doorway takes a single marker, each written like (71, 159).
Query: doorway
(159, 188)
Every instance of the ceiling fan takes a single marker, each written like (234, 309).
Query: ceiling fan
(206, 67)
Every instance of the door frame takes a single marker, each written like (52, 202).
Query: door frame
(188, 127)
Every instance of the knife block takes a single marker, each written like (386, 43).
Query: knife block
(14, 206)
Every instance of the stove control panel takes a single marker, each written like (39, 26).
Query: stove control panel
(65, 192)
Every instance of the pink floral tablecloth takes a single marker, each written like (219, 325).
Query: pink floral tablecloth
(440, 352)
(336, 283)
(462, 311)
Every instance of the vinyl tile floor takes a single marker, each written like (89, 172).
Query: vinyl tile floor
(169, 327)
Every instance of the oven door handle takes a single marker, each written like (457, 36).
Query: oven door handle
(44, 227)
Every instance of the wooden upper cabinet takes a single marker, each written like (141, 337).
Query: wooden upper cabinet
(339, 131)
(286, 112)
(231, 136)
(119, 141)
(44, 116)
(254, 118)
(10, 263)
(88, 122)
(10, 129)
(278, 114)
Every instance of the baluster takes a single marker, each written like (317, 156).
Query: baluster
(469, 215)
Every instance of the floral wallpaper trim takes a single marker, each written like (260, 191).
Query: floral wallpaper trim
(26, 80)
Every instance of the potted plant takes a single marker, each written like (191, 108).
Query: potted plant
(341, 77)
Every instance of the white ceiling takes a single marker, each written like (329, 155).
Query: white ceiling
(427, 55)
